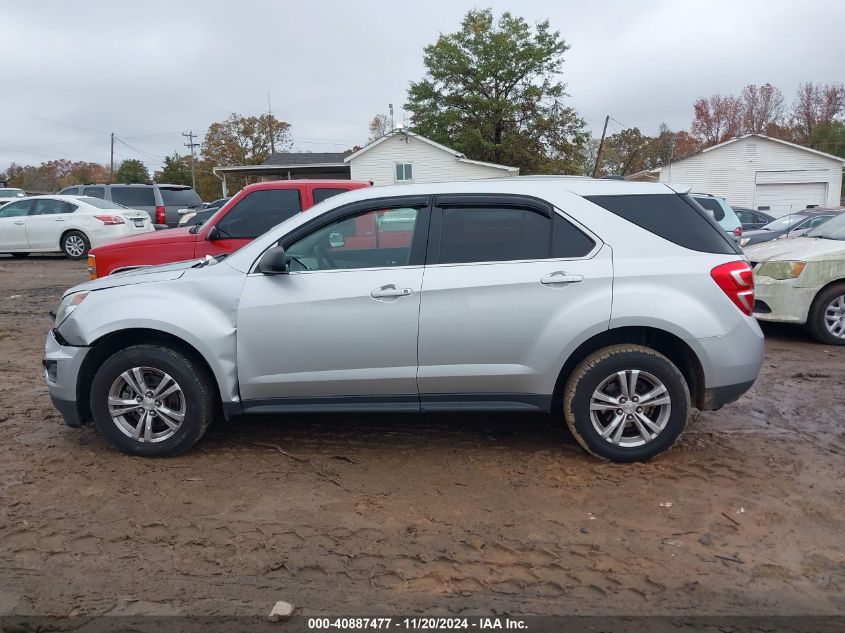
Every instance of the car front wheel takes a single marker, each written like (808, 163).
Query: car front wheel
(626, 403)
(826, 322)
(152, 400)
(75, 245)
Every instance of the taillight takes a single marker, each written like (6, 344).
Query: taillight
(738, 231)
(736, 279)
(161, 218)
(92, 267)
(110, 220)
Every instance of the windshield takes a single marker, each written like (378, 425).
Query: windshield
(11, 193)
(101, 204)
(784, 223)
(833, 229)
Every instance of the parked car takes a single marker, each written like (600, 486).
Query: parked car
(802, 280)
(722, 213)
(788, 226)
(485, 295)
(161, 201)
(70, 224)
(752, 218)
(192, 217)
(7, 194)
(252, 211)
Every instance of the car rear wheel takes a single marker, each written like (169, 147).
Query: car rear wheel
(152, 400)
(826, 322)
(75, 245)
(626, 403)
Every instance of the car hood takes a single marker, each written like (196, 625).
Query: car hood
(799, 248)
(165, 236)
(148, 274)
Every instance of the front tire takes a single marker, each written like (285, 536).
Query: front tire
(152, 400)
(626, 403)
(75, 245)
(826, 322)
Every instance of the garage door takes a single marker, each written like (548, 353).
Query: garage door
(782, 198)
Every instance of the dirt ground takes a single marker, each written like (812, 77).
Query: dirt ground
(392, 514)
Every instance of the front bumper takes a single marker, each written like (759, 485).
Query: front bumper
(62, 364)
(781, 300)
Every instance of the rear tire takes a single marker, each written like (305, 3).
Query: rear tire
(630, 422)
(19, 255)
(826, 322)
(75, 245)
(164, 412)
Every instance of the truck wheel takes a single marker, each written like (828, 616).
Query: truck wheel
(626, 403)
(75, 245)
(826, 322)
(152, 400)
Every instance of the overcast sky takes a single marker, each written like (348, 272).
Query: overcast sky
(73, 72)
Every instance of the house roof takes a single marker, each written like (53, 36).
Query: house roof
(306, 159)
(763, 136)
(458, 155)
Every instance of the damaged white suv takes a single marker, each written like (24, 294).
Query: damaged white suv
(615, 306)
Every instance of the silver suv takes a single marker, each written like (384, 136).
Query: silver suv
(615, 306)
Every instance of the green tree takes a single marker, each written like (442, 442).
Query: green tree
(492, 92)
(176, 170)
(830, 138)
(132, 170)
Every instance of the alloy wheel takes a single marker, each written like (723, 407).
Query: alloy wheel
(146, 404)
(630, 408)
(834, 317)
(74, 245)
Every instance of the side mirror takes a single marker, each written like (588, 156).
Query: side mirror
(336, 239)
(273, 262)
(213, 234)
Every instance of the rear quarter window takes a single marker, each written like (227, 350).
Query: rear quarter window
(673, 217)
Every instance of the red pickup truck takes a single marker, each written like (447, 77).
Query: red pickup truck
(252, 211)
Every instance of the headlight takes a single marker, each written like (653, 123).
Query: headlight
(781, 270)
(744, 241)
(68, 305)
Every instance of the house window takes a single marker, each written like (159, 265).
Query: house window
(404, 172)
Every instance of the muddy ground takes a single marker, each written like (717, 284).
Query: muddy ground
(408, 514)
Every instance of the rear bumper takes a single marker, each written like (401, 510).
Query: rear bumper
(62, 364)
(730, 363)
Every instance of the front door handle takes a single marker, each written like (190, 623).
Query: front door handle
(390, 291)
(60, 219)
(19, 223)
(559, 278)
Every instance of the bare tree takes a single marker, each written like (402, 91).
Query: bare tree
(814, 105)
(762, 108)
(379, 126)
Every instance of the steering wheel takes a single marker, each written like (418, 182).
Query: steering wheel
(322, 257)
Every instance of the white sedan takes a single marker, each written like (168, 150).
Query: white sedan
(70, 224)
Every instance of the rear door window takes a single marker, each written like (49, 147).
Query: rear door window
(258, 212)
(325, 194)
(491, 234)
(180, 197)
(133, 196)
(52, 207)
(94, 192)
(673, 217)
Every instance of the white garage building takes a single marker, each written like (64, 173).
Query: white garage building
(760, 172)
(403, 157)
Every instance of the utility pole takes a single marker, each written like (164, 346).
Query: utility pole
(111, 163)
(270, 124)
(191, 145)
(390, 105)
(601, 144)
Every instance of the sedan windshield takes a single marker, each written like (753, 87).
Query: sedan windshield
(784, 223)
(101, 204)
(833, 229)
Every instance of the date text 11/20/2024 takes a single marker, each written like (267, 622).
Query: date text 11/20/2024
(417, 624)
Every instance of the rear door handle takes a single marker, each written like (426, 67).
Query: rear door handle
(20, 222)
(560, 277)
(390, 291)
(60, 219)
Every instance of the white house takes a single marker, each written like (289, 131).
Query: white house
(760, 172)
(402, 156)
